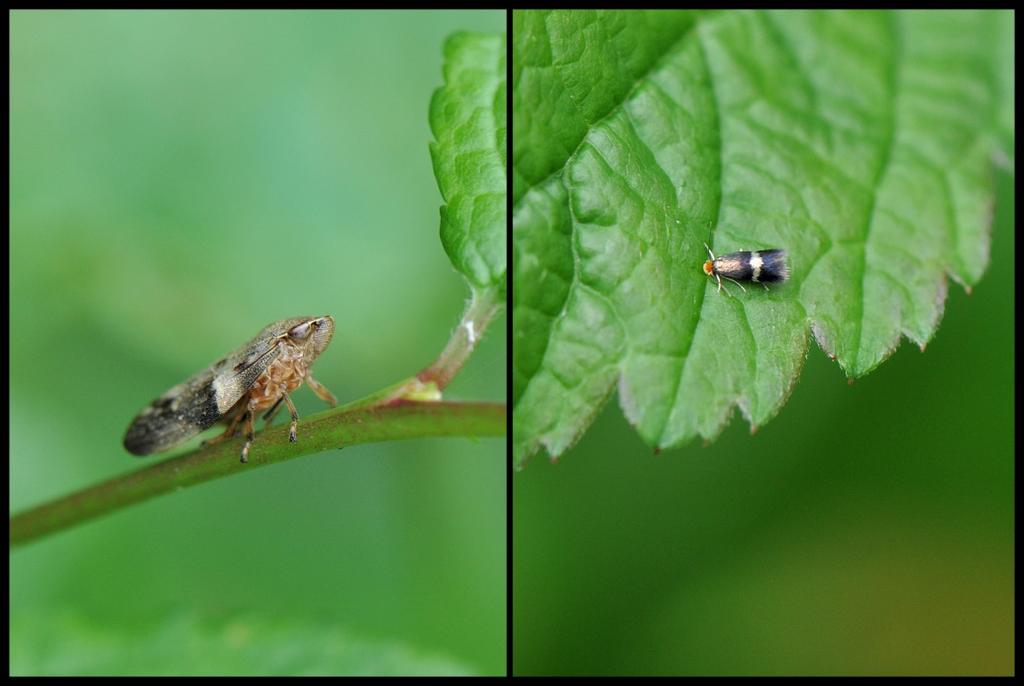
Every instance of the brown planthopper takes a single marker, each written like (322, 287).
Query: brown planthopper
(257, 376)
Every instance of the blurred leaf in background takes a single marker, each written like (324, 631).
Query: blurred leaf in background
(179, 180)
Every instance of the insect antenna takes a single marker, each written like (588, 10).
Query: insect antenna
(717, 278)
(738, 284)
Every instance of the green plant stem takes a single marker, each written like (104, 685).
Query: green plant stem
(428, 384)
(481, 309)
(337, 428)
(411, 408)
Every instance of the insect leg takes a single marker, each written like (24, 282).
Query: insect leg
(321, 391)
(272, 411)
(228, 433)
(249, 432)
(295, 418)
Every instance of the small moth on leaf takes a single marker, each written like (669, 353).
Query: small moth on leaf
(759, 266)
(257, 376)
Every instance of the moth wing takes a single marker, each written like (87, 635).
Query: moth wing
(775, 265)
(199, 402)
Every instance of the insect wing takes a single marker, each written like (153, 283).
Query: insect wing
(774, 266)
(199, 402)
(175, 416)
(735, 265)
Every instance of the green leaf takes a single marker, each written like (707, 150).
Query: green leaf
(185, 644)
(467, 118)
(860, 142)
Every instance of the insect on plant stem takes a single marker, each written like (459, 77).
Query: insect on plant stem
(257, 376)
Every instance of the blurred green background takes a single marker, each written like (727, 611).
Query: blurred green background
(178, 181)
(868, 529)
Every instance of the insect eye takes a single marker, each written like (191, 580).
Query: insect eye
(301, 332)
